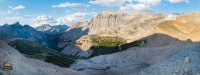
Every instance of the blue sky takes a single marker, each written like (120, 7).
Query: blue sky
(37, 12)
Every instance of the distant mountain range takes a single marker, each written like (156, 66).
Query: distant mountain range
(17, 31)
(44, 34)
(112, 43)
(52, 29)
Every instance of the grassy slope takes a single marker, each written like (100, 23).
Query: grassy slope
(108, 45)
(107, 41)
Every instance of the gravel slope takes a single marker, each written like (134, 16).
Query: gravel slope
(132, 61)
(26, 66)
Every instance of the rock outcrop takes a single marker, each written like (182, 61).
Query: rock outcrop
(186, 26)
(172, 50)
(129, 26)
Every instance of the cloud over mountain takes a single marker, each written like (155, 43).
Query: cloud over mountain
(140, 5)
(70, 5)
(109, 2)
(43, 19)
(137, 7)
(71, 18)
(19, 7)
(149, 2)
(178, 1)
(67, 20)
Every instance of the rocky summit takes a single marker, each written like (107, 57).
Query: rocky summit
(172, 49)
(128, 26)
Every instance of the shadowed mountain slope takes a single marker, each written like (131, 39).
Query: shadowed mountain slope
(159, 47)
(27, 66)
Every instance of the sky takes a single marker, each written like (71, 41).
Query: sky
(68, 12)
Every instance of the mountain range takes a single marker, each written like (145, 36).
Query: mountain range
(52, 29)
(112, 43)
(44, 34)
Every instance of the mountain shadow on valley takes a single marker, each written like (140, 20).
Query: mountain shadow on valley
(35, 50)
(72, 35)
(149, 41)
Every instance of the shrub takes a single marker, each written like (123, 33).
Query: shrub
(28, 47)
(35, 50)
(101, 50)
(59, 60)
(107, 41)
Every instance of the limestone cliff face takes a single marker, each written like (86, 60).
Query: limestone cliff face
(186, 26)
(167, 52)
(129, 26)
(126, 25)
(84, 43)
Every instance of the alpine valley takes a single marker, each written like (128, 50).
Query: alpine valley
(111, 43)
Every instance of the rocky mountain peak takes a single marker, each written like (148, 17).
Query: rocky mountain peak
(106, 13)
(43, 27)
(52, 29)
(6, 24)
(109, 24)
(16, 23)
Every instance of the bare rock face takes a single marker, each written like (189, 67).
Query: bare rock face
(174, 52)
(129, 26)
(126, 25)
(187, 59)
(186, 26)
(84, 43)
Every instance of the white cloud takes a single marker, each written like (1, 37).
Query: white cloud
(8, 11)
(67, 20)
(120, 2)
(71, 18)
(67, 11)
(43, 19)
(110, 2)
(19, 7)
(135, 7)
(140, 5)
(70, 5)
(149, 2)
(178, 1)
(14, 18)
